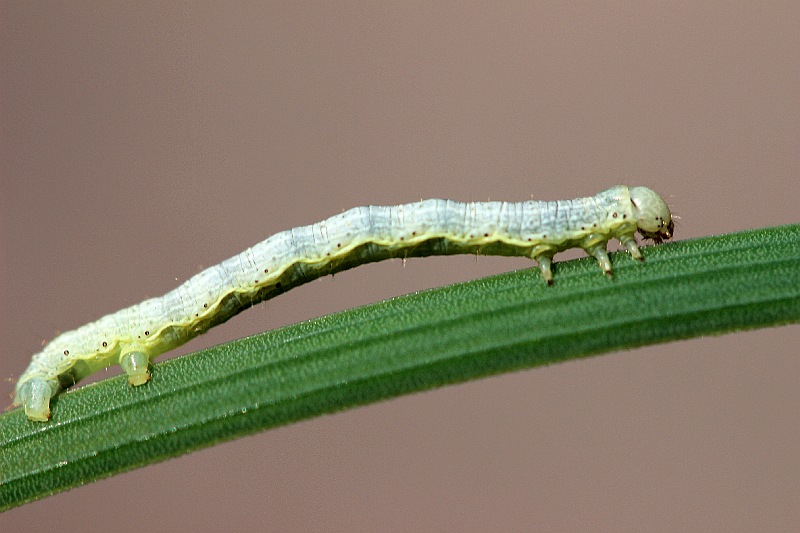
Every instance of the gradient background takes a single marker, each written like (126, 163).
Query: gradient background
(144, 141)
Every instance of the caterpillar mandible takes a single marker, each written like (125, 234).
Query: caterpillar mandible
(133, 337)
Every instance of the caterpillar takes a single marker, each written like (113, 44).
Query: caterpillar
(133, 337)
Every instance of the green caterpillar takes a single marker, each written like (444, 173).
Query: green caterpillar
(134, 336)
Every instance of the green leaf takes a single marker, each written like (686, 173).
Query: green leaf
(412, 343)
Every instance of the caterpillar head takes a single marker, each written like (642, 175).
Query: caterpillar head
(651, 214)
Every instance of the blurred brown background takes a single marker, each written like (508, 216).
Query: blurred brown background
(142, 141)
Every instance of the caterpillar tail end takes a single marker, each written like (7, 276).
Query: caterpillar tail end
(135, 364)
(35, 396)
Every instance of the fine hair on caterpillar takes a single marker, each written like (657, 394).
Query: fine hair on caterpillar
(134, 336)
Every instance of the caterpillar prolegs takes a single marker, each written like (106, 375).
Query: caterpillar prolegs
(134, 336)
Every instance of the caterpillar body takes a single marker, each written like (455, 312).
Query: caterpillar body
(134, 336)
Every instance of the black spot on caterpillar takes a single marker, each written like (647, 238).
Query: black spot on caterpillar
(134, 336)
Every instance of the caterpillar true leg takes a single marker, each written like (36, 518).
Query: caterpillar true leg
(630, 244)
(598, 251)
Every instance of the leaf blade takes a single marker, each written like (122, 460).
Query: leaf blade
(411, 343)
